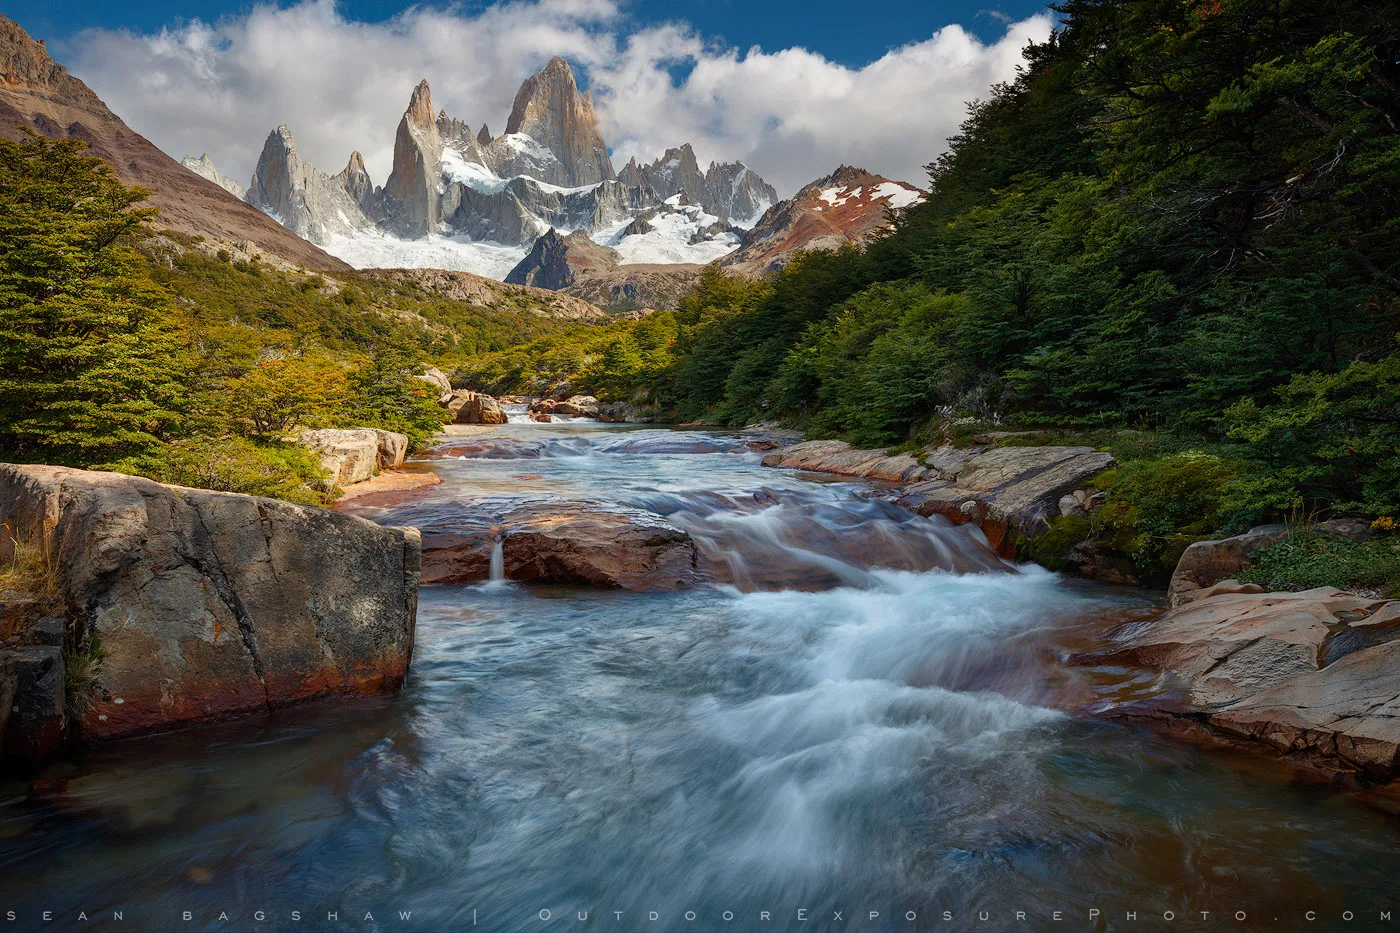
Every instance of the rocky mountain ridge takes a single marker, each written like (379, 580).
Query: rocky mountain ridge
(848, 206)
(576, 265)
(462, 193)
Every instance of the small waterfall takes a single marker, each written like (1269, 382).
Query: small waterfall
(498, 560)
(516, 412)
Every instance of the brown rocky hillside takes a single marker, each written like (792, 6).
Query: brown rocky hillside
(38, 93)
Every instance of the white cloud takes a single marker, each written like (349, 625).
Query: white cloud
(342, 85)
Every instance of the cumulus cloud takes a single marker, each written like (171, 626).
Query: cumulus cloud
(342, 85)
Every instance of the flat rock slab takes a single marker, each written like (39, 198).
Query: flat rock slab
(1314, 674)
(211, 604)
(1001, 488)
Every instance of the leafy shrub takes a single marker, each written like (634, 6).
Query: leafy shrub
(1157, 507)
(1304, 561)
(279, 470)
(1331, 439)
(1053, 548)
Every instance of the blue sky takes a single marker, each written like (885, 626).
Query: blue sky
(791, 88)
(851, 33)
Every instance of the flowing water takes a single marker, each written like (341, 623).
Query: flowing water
(870, 716)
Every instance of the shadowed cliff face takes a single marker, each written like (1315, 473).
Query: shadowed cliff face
(550, 109)
(38, 93)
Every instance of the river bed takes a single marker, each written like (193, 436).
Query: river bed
(871, 715)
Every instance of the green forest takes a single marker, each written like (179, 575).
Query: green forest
(127, 350)
(1173, 236)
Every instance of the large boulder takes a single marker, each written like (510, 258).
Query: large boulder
(1315, 674)
(621, 413)
(553, 542)
(353, 455)
(578, 406)
(435, 377)
(468, 407)
(209, 604)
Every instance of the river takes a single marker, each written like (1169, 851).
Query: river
(871, 716)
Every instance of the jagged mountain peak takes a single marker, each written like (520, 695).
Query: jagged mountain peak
(38, 94)
(550, 110)
(483, 136)
(420, 106)
(849, 205)
(25, 63)
(204, 167)
(356, 163)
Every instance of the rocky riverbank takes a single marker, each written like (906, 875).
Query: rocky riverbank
(1008, 491)
(1313, 676)
(152, 607)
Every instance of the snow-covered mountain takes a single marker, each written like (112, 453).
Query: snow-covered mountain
(463, 200)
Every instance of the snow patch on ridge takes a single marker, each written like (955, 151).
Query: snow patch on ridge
(899, 196)
(669, 239)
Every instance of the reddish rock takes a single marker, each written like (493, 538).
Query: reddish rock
(573, 543)
(578, 406)
(1205, 563)
(469, 407)
(848, 206)
(999, 489)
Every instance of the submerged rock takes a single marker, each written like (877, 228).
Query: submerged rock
(207, 604)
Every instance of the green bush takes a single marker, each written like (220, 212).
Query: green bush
(1157, 507)
(1053, 548)
(1304, 561)
(277, 469)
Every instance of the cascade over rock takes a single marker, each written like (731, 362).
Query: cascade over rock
(550, 110)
